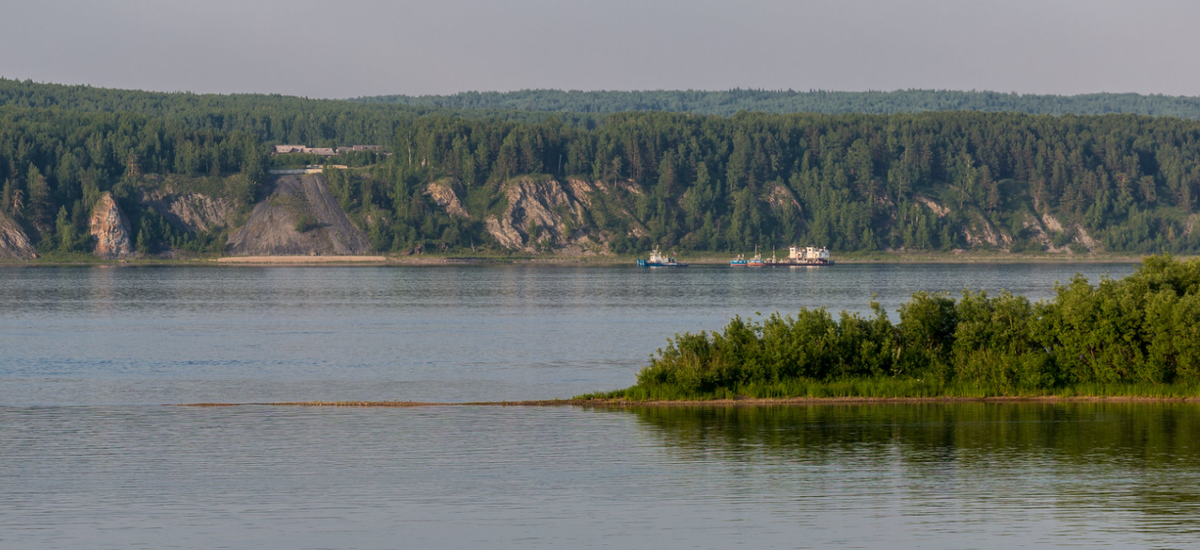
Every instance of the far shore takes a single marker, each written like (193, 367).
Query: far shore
(301, 259)
(990, 257)
(747, 402)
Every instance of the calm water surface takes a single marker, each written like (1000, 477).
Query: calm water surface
(175, 335)
(90, 457)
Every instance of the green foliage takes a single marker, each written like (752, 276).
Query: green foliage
(305, 221)
(154, 234)
(730, 102)
(269, 118)
(71, 237)
(1139, 332)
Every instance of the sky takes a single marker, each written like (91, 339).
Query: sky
(335, 49)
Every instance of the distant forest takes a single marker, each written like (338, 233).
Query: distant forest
(854, 182)
(272, 118)
(726, 103)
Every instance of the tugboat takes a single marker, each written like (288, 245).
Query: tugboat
(658, 260)
(757, 260)
(739, 261)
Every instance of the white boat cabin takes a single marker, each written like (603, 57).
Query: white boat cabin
(808, 254)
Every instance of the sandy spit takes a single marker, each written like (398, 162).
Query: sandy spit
(748, 402)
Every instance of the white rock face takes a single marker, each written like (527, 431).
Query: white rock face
(14, 244)
(442, 193)
(546, 207)
(111, 230)
(192, 210)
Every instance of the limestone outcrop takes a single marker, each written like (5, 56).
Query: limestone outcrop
(191, 211)
(542, 214)
(14, 243)
(111, 229)
(444, 194)
(780, 197)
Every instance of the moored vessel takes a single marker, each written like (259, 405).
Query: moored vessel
(657, 259)
(798, 256)
(808, 256)
(757, 260)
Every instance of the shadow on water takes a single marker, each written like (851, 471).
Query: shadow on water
(1141, 459)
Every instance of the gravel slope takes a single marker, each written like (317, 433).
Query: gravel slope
(271, 228)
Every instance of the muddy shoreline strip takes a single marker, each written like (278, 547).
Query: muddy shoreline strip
(750, 402)
(262, 260)
(569, 261)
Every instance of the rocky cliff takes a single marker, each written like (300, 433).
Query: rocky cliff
(14, 244)
(191, 211)
(545, 214)
(299, 217)
(111, 230)
(444, 193)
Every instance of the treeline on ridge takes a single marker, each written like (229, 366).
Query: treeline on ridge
(928, 181)
(271, 118)
(1139, 334)
(729, 102)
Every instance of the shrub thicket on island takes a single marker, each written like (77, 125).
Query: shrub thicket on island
(1135, 336)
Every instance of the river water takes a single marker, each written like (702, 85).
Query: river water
(91, 458)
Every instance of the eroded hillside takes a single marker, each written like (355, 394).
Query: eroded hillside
(298, 217)
(14, 244)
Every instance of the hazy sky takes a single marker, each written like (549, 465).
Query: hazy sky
(335, 48)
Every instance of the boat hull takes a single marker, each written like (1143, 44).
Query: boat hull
(793, 263)
(783, 263)
(644, 263)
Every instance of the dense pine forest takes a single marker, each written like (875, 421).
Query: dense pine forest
(270, 118)
(509, 181)
(727, 103)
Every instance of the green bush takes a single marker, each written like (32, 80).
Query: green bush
(1138, 332)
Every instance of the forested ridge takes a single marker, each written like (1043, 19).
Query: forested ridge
(623, 182)
(729, 102)
(853, 182)
(272, 118)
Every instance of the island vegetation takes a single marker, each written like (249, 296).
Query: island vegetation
(470, 181)
(1137, 336)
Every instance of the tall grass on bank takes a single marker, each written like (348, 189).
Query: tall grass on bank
(1138, 336)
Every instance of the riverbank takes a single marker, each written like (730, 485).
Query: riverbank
(989, 257)
(301, 260)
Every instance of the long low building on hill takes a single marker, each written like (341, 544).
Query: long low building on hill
(323, 151)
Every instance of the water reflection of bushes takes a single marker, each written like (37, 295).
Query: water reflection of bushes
(1146, 434)
(1153, 447)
